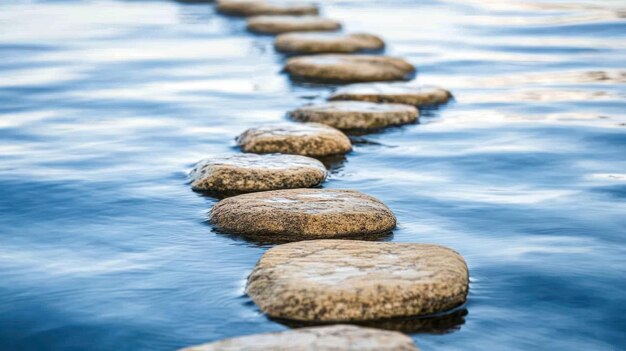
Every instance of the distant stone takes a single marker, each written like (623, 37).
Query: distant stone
(302, 214)
(346, 280)
(401, 93)
(244, 173)
(284, 24)
(328, 338)
(309, 139)
(349, 68)
(266, 7)
(356, 114)
(316, 43)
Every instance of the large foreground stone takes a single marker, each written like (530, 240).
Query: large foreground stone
(330, 338)
(315, 43)
(243, 173)
(301, 214)
(401, 93)
(345, 280)
(284, 24)
(266, 7)
(356, 114)
(310, 139)
(349, 68)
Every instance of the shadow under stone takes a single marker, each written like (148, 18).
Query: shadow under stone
(445, 323)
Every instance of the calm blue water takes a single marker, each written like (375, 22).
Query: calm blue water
(106, 105)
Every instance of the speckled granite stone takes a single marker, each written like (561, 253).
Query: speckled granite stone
(265, 7)
(356, 114)
(401, 93)
(349, 68)
(302, 214)
(329, 338)
(285, 24)
(346, 280)
(308, 139)
(315, 43)
(244, 173)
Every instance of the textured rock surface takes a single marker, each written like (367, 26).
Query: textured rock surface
(356, 114)
(401, 93)
(301, 214)
(345, 280)
(266, 7)
(315, 43)
(349, 68)
(284, 24)
(330, 338)
(310, 139)
(243, 173)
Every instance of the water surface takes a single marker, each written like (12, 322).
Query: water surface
(106, 105)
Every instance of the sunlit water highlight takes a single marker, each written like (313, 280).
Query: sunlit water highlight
(105, 105)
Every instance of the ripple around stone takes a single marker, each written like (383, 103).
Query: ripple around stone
(335, 68)
(285, 24)
(315, 43)
(346, 280)
(303, 214)
(350, 115)
(308, 139)
(243, 173)
(329, 338)
(265, 7)
(401, 93)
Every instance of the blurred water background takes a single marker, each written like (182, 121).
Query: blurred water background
(106, 105)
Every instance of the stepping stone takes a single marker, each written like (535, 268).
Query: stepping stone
(244, 173)
(356, 114)
(329, 338)
(284, 24)
(346, 280)
(310, 139)
(316, 43)
(266, 7)
(401, 93)
(302, 214)
(349, 68)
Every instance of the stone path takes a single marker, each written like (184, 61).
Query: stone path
(244, 173)
(356, 114)
(285, 24)
(313, 279)
(331, 338)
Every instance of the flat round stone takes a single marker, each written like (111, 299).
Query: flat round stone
(349, 68)
(346, 280)
(328, 338)
(308, 139)
(284, 24)
(401, 93)
(301, 214)
(315, 43)
(266, 7)
(244, 173)
(356, 114)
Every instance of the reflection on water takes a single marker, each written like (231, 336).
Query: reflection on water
(106, 105)
(443, 324)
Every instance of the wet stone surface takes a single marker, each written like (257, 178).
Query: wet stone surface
(315, 43)
(309, 139)
(336, 68)
(285, 24)
(329, 338)
(303, 214)
(402, 93)
(265, 7)
(346, 280)
(243, 173)
(349, 115)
